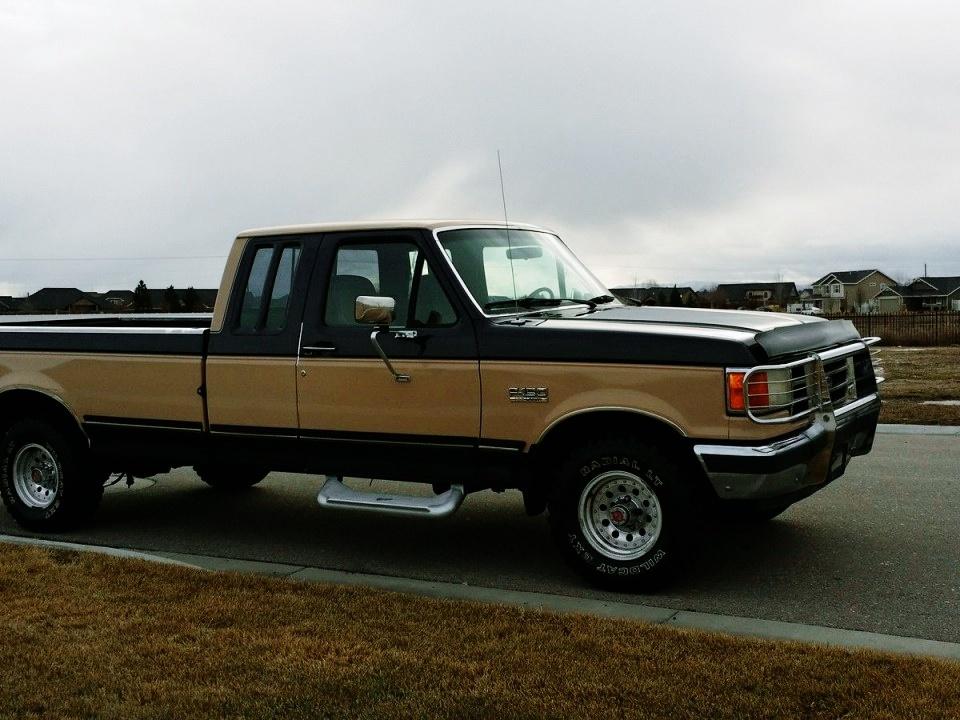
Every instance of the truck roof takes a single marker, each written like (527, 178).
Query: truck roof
(383, 225)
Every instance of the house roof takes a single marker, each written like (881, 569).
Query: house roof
(54, 298)
(9, 303)
(639, 292)
(207, 296)
(847, 277)
(947, 285)
(737, 292)
(122, 294)
(925, 287)
(59, 299)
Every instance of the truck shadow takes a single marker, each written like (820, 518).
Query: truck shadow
(489, 542)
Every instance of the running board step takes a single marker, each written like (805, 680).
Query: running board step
(334, 494)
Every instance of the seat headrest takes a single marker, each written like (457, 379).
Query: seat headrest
(341, 300)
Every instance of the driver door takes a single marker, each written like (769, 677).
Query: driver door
(353, 414)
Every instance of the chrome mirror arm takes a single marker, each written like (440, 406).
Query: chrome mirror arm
(398, 377)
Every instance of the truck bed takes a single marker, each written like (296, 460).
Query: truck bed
(180, 334)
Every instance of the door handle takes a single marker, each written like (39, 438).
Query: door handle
(318, 349)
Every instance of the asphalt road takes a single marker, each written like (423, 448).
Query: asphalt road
(878, 550)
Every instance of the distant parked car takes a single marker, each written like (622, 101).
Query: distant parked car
(810, 311)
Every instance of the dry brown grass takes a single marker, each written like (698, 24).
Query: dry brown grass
(918, 374)
(90, 636)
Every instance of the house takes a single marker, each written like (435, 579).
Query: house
(71, 300)
(114, 301)
(775, 295)
(849, 291)
(205, 299)
(655, 294)
(924, 293)
(59, 300)
(9, 304)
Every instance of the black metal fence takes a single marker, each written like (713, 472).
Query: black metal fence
(928, 328)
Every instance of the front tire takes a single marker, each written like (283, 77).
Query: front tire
(46, 480)
(623, 514)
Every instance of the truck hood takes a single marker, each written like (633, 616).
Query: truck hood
(663, 335)
(750, 321)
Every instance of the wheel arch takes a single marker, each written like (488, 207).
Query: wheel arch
(550, 448)
(21, 402)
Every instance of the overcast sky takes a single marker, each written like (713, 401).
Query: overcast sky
(669, 141)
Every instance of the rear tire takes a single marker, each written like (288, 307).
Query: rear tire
(225, 477)
(46, 479)
(623, 514)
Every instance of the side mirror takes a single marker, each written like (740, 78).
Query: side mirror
(372, 310)
(378, 311)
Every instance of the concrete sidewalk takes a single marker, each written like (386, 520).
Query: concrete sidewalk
(727, 624)
(919, 429)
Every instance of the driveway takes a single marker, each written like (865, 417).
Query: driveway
(878, 550)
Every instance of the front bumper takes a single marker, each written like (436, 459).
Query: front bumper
(793, 467)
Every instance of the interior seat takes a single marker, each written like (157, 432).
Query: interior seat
(342, 298)
(433, 307)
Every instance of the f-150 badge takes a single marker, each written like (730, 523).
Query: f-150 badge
(528, 394)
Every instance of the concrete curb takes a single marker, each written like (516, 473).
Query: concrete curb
(918, 429)
(726, 624)
(100, 549)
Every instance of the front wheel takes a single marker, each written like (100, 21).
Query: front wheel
(622, 514)
(46, 480)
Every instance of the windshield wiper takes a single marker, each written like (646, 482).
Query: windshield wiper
(603, 299)
(531, 303)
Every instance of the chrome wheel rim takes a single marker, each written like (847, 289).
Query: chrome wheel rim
(36, 477)
(620, 515)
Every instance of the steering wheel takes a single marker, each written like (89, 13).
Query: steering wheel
(543, 292)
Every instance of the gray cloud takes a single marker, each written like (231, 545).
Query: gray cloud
(680, 141)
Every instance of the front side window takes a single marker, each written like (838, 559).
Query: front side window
(388, 269)
(520, 269)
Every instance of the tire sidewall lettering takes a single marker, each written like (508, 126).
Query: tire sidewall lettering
(605, 462)
(607, 566)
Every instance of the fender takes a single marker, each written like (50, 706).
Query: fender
(49, 395)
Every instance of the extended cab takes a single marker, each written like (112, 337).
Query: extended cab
(466, 356)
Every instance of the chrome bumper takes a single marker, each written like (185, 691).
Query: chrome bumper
(796, 465)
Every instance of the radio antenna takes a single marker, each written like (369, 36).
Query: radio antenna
(506, 226)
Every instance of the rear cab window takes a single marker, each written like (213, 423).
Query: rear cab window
(268, 289)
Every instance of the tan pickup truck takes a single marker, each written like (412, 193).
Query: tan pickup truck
(467, 356)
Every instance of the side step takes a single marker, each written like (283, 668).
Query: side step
(334, 494)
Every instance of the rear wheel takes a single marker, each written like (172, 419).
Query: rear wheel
(46, 479)
(226, 477)
(623, 513)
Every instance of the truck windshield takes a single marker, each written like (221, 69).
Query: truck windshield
(520, 270)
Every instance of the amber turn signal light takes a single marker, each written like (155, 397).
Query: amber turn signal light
(759, 391)
(735, 391)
